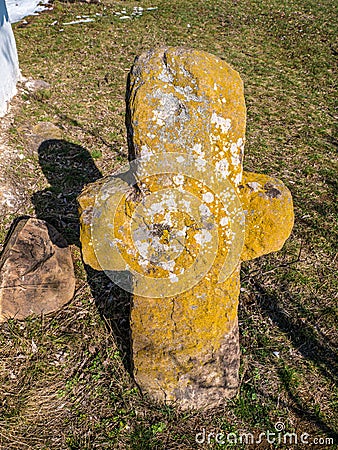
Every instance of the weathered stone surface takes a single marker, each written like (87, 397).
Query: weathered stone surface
(185, 343)
(187, 101)
(46, 130)
(185, 347)
(268, 206)
(86, 202)
(36, 271)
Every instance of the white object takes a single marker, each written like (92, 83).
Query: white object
(9, 64)
(17, 10)
(78, 21)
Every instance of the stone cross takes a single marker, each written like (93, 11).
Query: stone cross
(180, 220)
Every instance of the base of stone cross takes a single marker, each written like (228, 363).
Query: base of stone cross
(204, 393)
(210, 384)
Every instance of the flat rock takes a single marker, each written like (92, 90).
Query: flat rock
(43, 131)
(36, 271)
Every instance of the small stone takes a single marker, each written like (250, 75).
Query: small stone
(36, 271)
(36, 85)
(10, 198)
(44, 131)
(39, 133)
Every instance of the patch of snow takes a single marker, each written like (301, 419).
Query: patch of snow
(137, 11)
(78, 21)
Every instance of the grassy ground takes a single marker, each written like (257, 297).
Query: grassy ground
(63, 382)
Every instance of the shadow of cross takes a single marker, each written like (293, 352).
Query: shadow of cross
(180, 220)
(68, 167)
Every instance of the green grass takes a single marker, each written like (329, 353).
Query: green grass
(63, 380)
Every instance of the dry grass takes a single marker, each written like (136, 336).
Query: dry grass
(63, 380)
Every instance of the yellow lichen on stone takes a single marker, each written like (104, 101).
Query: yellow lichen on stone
(191, 102)
(176, 341)
(268, 207)
(169, 226)
(86, 201)
(184, 100)
(165, 237)
(173, 233)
